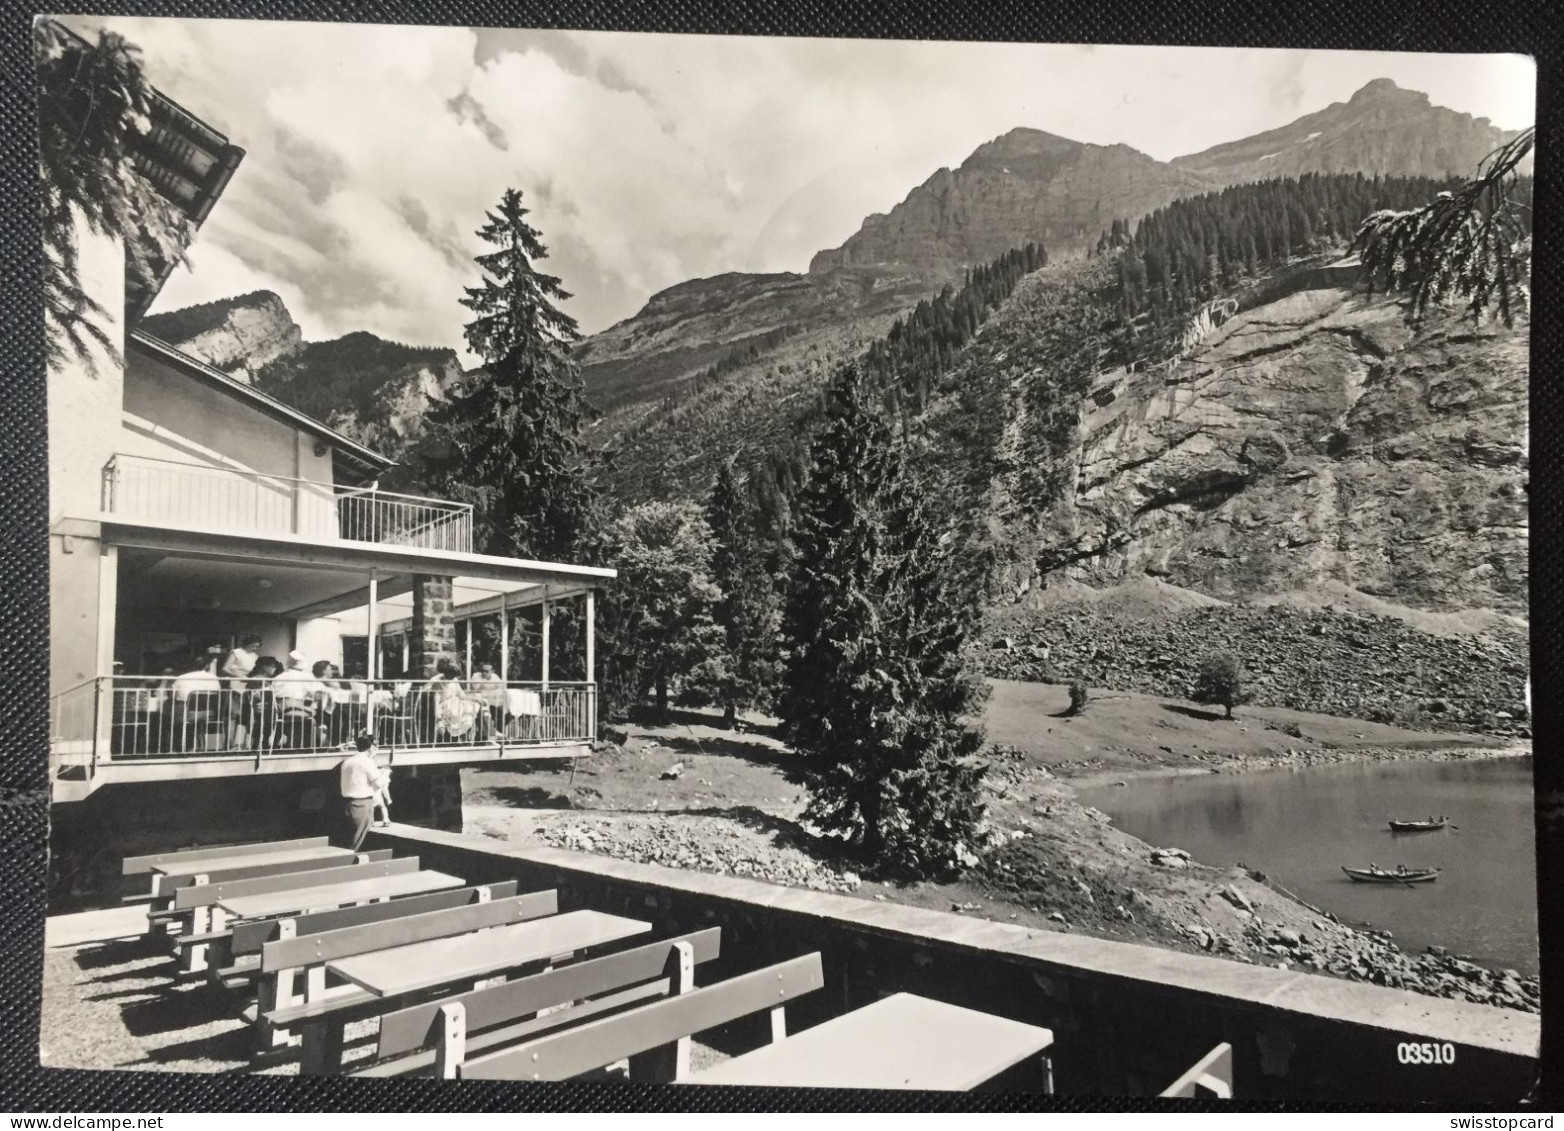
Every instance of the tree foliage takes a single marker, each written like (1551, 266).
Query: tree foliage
(659, 618)
(94, 111)
(875, 693)
(1220, 680)
(1472, 243)
(748, 610)
(508, 438)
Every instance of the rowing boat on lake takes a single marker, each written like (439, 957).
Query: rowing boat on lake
(1403, 875)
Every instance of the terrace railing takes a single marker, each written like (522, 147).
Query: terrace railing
(230, 499)
(139, 718)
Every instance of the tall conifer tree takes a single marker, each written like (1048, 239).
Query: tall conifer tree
(876, 621)
(508, 437)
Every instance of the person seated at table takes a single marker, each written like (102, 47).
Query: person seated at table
(489, 689)
(459, 713)
(196, 696)
(299, 696)
(342, 704)
(259, 715)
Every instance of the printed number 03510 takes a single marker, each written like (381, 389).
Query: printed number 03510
(1427, 1052)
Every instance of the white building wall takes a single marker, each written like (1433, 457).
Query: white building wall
(85, 394)
(84, 397)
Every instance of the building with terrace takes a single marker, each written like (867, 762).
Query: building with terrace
(192, 514)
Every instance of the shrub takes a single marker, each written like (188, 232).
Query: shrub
(1292, 730)
(1220, 680)
(1078, 697)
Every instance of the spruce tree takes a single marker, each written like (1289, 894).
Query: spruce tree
(875, 694)
(747, 611)
(508, 438)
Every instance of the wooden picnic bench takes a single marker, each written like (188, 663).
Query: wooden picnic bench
(249, 937)
(439, 1035)
(324, 897)
(654, 1037)
(200, 920)
(389, 979)
(162, 913)
(291, 955)
(141, 865)
(901, 1041)
(1211, 1077)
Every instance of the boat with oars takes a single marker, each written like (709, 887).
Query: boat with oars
(1427, 826)
(1374, 874)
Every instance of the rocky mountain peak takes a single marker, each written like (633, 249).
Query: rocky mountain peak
(239, 335)
(1383, 129)
(1384, 90)
(1025, 186)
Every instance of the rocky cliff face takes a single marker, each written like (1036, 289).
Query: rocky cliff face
(240, 336)
(1312, 439)
(374, 391)
(1024, 187)
(1381, 129)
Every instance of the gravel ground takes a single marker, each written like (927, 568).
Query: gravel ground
(116, 1004)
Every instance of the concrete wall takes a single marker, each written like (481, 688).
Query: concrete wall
(1127, 1019)
(76, 565)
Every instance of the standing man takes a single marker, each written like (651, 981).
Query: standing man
(363, 783)
(235, 670)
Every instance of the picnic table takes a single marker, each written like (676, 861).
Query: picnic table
(902, 1041)
(419, 966)
(324, 897)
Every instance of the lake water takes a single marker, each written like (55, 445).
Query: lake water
(1300, 826)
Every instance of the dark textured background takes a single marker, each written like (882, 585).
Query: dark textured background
(1397, 25)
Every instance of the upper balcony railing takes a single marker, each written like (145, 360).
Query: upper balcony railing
(232, 500)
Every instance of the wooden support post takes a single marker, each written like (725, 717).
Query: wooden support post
(372, 652)
(467, 671)
(670, 1063)
(504, 639)
(322, 1051)
(451, 1047)
(591, 630)
(277, 989)
(545, 647)
(315, 982)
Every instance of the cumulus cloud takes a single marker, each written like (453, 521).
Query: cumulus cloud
(374, 152)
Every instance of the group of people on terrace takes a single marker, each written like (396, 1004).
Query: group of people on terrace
(237, 699)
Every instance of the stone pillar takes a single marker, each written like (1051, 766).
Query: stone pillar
(434, 625)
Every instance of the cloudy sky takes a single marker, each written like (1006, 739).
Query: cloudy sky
(374, 151)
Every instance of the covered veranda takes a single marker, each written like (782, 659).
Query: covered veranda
(382, 619)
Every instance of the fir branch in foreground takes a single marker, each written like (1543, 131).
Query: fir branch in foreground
(1473, 244)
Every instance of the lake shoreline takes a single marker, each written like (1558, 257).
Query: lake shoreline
(1299, 759)
(1351, 947)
